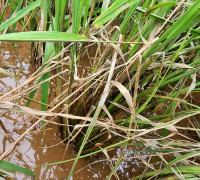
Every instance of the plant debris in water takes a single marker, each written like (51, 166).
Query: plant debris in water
(139, 59)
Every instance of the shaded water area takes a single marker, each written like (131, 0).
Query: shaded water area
(37, 149)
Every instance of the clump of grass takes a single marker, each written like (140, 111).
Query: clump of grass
(145, 65)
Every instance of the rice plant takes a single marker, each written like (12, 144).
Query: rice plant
(12, 168)
(123, 71)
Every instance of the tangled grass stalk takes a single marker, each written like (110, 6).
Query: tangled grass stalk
(123, 71)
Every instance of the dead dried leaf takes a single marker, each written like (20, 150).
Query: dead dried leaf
(125, 93)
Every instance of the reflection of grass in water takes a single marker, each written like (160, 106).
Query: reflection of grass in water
(161, 52)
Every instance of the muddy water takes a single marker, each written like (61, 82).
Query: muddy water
(37, 149)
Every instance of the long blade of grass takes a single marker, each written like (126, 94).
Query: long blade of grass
(53, 36)
(183, 169)
(10, 167)
(160, 5)
(43, 36)
(18, 15)
(57, 15)
(49, 51)
(76, 16)
(63, 5)
(115, 9)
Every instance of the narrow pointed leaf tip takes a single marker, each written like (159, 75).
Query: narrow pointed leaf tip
(43, 36)
(114, 10)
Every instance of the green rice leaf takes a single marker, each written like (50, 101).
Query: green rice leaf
(183, 157)
(183, 169)
(21, 13)
(49, 50)
(32, 93)
(10, 167)
(76, 15)
(115, 9)
(43, 36)
(160, 5)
